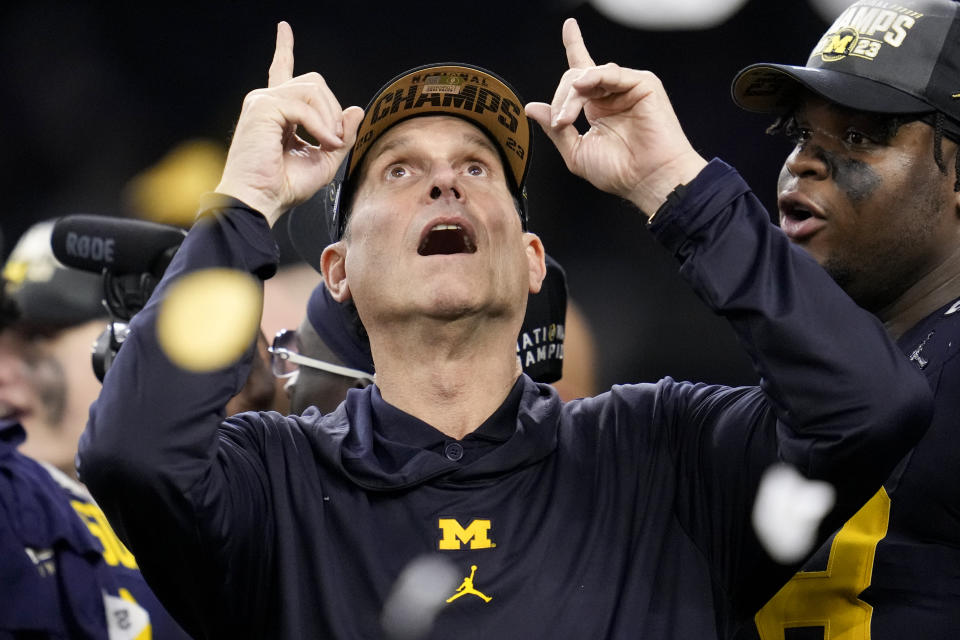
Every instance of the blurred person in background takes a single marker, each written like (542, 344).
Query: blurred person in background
(60, 317)
(579, 356)
(325, 357)
(64, 572)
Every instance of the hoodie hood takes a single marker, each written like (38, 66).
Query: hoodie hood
(379, 447)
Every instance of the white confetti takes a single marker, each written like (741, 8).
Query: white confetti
(788, 512)
(417, 597)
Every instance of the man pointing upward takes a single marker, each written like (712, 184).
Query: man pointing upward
(618, 516)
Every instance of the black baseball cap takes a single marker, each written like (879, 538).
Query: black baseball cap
(884, 57)
(49, 295)
(453, 88)
(540, 343)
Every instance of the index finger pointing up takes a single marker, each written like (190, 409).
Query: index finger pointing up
(281, 69)
(577, 55)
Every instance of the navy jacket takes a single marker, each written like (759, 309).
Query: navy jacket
(621, 516)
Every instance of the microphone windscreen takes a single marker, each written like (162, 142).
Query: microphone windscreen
(119, 245)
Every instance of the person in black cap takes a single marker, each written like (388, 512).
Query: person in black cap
(60, 316)
(325, 357)
(618, 516)
(872, 192)
(64, 572)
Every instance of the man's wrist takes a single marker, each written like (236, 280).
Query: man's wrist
(652, 195)
(217, 201)
(673, 198)
(252, 199)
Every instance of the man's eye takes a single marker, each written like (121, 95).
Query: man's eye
(397, 171)
(852, 136)
(476, 170)
(797, 134)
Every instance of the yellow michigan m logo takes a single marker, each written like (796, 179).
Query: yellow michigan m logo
(838, 44)
(455, 535)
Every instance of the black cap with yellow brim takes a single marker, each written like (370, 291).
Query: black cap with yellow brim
(456, 89)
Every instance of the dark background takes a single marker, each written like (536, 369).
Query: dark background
(92, 96)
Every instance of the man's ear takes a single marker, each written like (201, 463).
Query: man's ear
(333, 263)
(535, 261)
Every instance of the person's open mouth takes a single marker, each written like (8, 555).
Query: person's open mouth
(447, 239)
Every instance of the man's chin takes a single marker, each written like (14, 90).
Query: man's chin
(840, 272)
(450, 308)
(823, 258)
(863, 290)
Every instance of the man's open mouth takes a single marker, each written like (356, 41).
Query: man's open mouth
(800, 219)
(796, 213)
(446, 239)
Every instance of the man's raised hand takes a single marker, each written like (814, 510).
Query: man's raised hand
(635, 147)
(269, 167)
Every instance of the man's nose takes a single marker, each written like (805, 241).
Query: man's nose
(807, 160)
(436, 192)
(444, 185)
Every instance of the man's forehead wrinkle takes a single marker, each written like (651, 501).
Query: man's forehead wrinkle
(384, 145)
(478, 139)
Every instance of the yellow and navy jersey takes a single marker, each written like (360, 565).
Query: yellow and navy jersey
(64, 572)
(893, 570)
(626, 515)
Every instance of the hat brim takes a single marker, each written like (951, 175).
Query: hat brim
(775, 88)
(307, 228)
